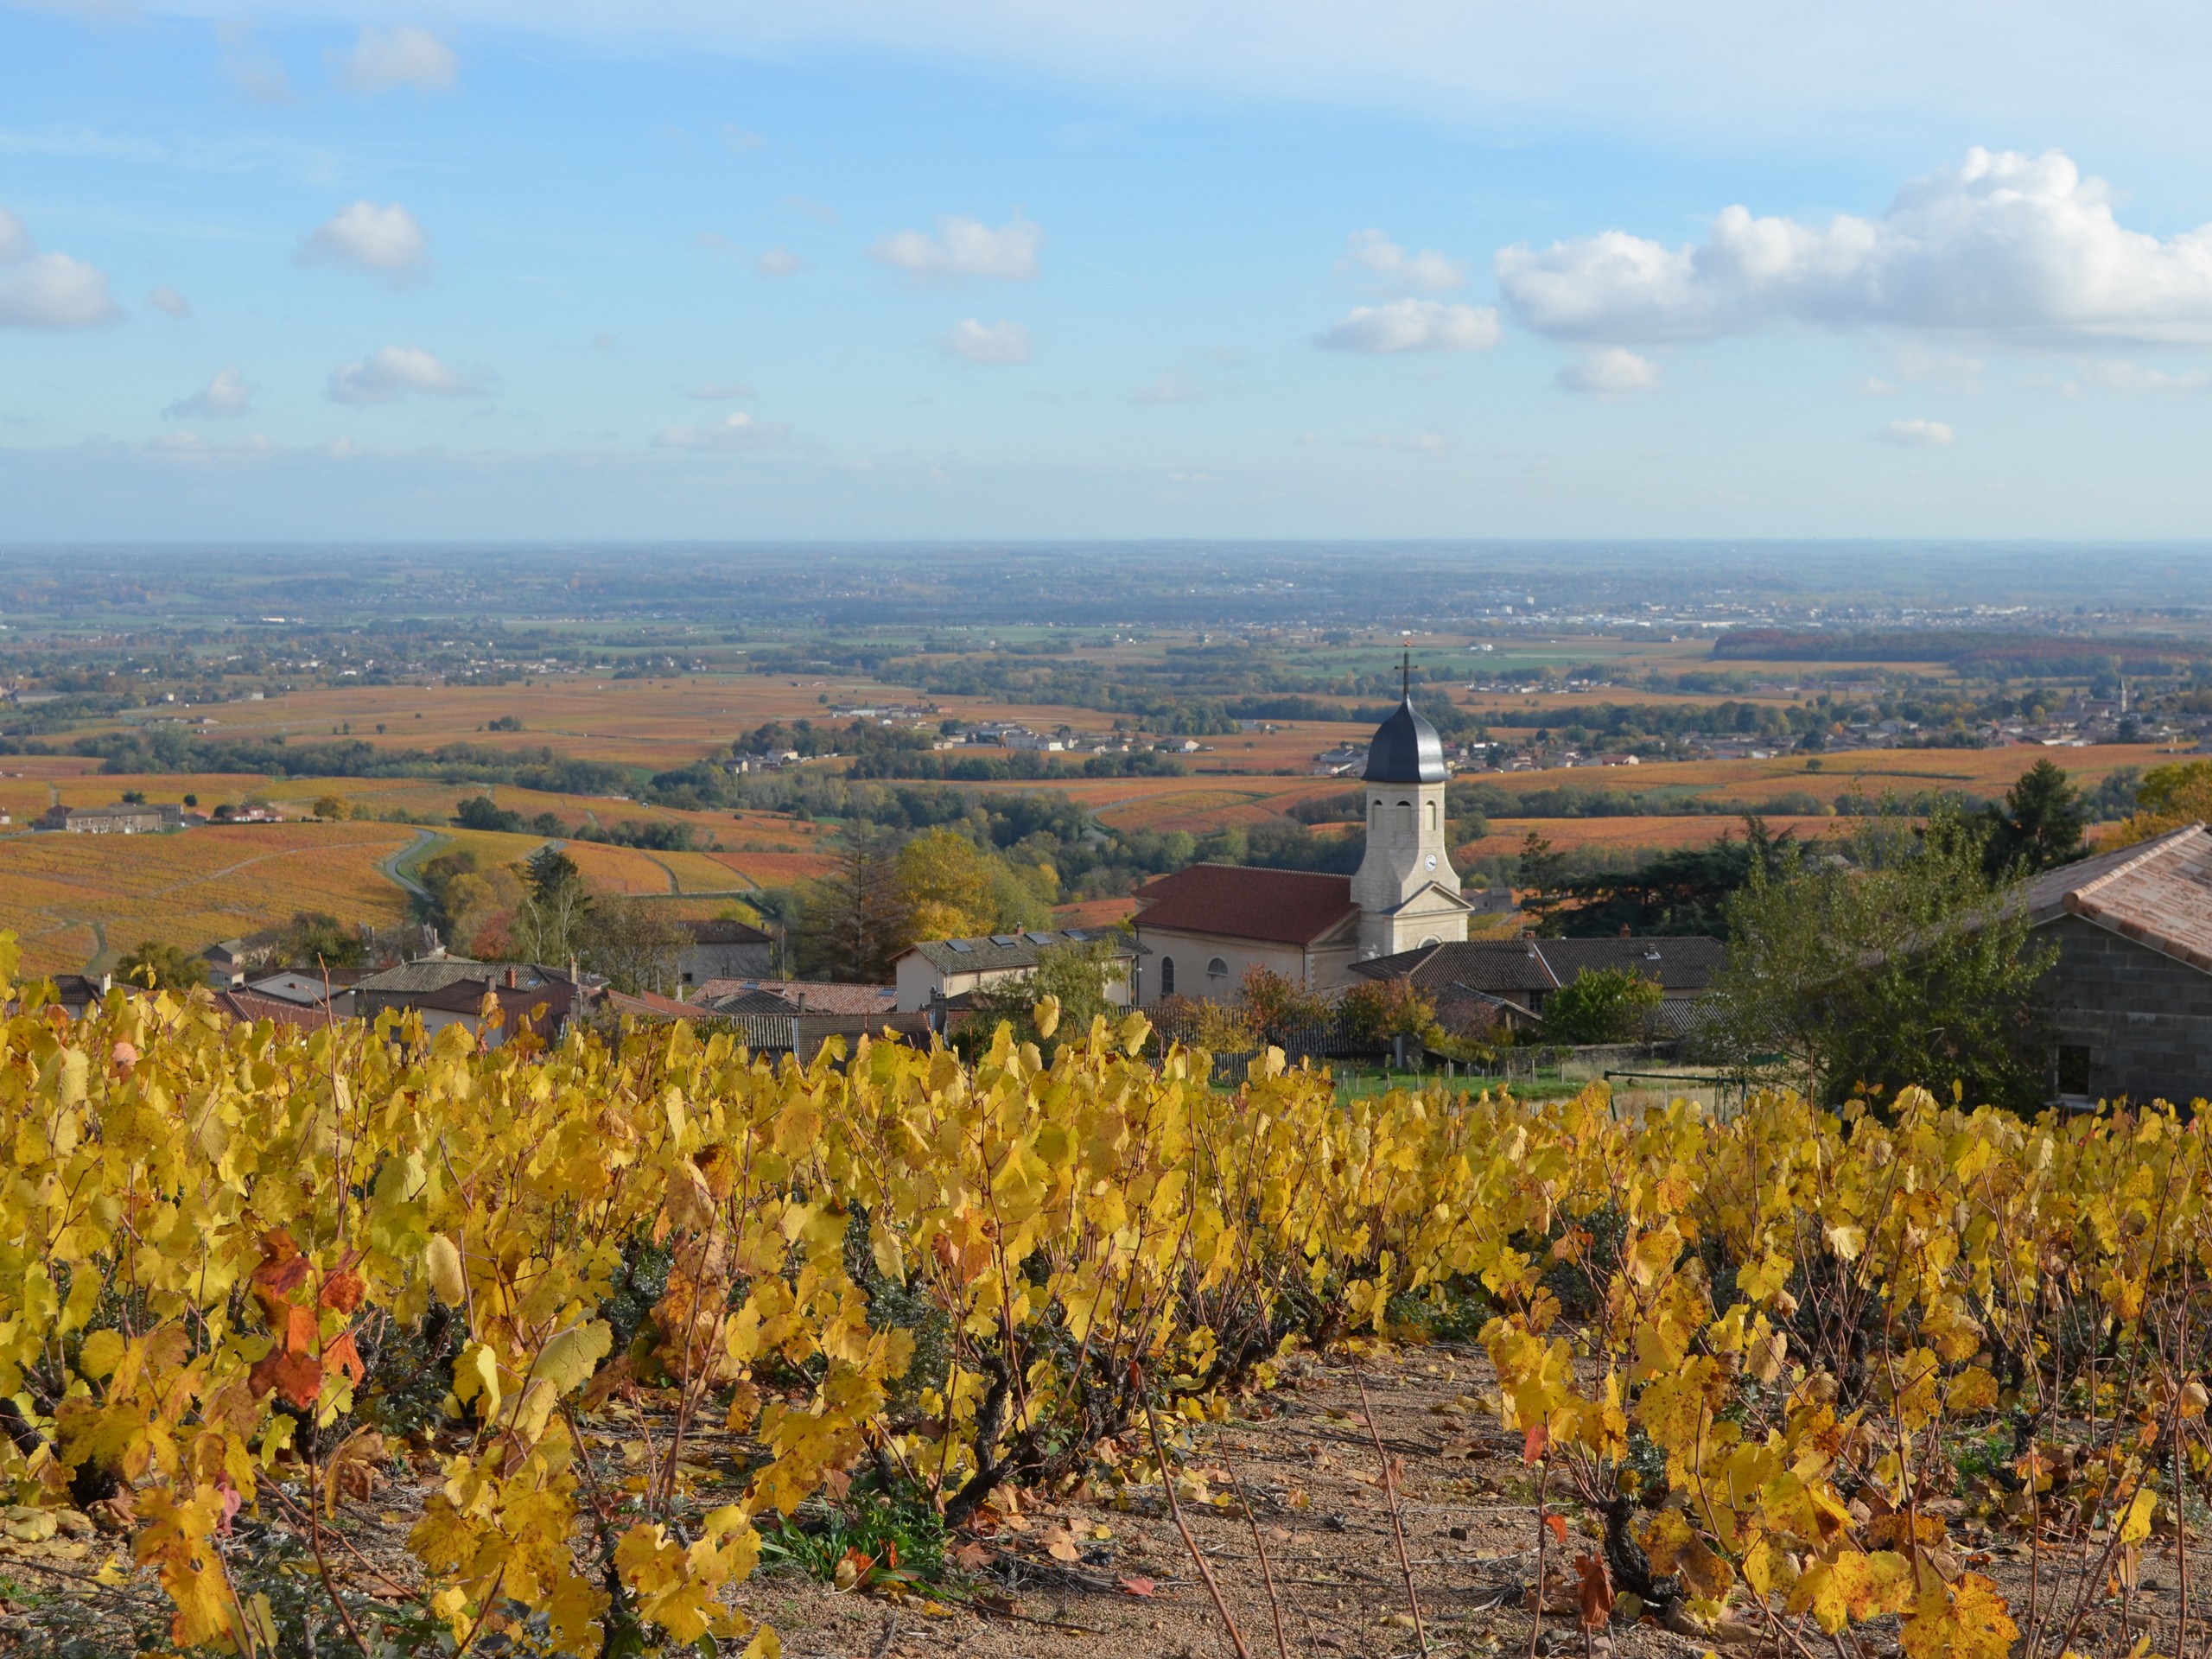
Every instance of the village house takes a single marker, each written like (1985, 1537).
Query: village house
(937, 972)
(724, 948)
(122, 818)
(1477, 983)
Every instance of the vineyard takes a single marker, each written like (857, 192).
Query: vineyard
(368, 1341)
(188, 889)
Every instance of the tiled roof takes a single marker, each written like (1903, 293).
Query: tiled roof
(1239, 902)
(1682, 965)
(2158, 893)
(253, 1007)
(436, 973)
(820, 996)
(994, 952)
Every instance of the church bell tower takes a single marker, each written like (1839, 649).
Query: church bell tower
(1406, 888)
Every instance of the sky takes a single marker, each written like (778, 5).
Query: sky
(335, 270)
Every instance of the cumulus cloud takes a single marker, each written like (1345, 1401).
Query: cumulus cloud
(170, 303)
(222, 398)
(48, 290)
(1412, 326)
(384, 60)
(391, 373)
(1373, 260)
(719, 391)
(965, 248)
(779, 262)
(1613, 372)
(387, 240)
(2004, 244)
(737, 430)
(2118, 374)
(993, 343)
(1917, 434)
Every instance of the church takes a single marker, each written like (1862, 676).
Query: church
(1199, 930)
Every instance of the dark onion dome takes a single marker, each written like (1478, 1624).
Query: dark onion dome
(1406, 750)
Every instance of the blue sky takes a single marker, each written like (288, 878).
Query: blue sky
(677, 268)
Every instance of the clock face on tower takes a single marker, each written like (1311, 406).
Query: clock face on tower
(1430, 861)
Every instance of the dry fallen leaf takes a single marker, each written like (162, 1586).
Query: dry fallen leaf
(1135, 1586)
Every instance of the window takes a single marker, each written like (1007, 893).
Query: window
(1432, 817)
(1217, 969)
(1167, 975)
(1375, 815)
(2073, 1068)
(1405, 817)
(1430, 940)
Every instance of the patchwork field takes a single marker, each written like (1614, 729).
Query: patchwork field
(78, 901)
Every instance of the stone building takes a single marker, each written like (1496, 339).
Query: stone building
(2130, 994)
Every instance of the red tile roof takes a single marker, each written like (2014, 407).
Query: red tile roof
(1238, 902)
(820, 996)
(252, 1007)
(2158, 893)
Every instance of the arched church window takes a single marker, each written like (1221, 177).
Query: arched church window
(1432, 817)
(1375, 814)
(1167, 975)
(1405, 817)
(1217, 969)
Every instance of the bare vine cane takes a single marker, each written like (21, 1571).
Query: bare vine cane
(1175, 1508)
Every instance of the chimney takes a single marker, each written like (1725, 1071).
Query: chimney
(107, 983)
(511, 982)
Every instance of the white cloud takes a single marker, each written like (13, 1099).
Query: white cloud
(719, 391)
(736, 430)
(222, 398)
(779, 262)
(48, 290)
(993, 344)
(965, 248)
(1612, 372)
(387, 239)
(1412, 326)
(2118, 374)
(170, 303)
(1373, 260)
(409, 55)
(1168, 389)
(1917, 434)
(390, 372)
(2004, 244)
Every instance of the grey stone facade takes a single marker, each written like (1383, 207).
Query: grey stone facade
(2143, 1019)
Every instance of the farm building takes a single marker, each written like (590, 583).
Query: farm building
(943, 970)
(2130, 992)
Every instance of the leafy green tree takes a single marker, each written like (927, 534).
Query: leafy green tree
(313, 940)
(330, 806)
(1602, 1005)
(549, 925)
(1902, 963)
(1685, 890)
(1378, 1010)
(482, 812)
(2040, 825)
(1076, 974)
(161, 967)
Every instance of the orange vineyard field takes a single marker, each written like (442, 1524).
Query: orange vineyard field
(62, 894)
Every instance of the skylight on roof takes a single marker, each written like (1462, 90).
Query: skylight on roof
(1006, 938)
(960, 946)
(1041, 938)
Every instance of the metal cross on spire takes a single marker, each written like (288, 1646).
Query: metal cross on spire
(1406, 688)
